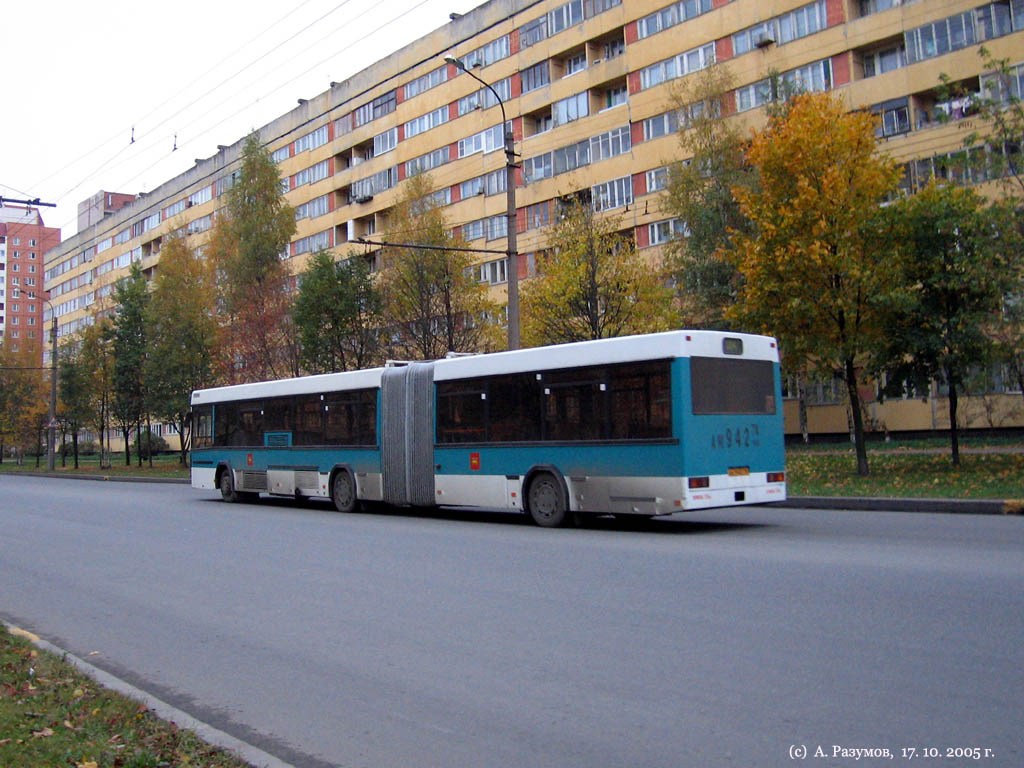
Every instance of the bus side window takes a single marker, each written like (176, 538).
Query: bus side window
(202, 426)
(641, 401)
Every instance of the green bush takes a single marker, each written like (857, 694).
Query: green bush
(150, 443)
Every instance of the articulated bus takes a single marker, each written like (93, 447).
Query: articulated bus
(640, 425)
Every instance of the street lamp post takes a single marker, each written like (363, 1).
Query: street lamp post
(510, 204)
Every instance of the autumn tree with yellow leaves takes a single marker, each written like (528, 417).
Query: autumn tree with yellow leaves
(817, 256)
(593, 284)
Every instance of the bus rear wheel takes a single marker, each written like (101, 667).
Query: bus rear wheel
(343, 492)
(546, 502)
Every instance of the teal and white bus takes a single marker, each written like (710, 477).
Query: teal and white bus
(639, 425)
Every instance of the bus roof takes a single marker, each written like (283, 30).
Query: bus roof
(621, 349)
(303, 385)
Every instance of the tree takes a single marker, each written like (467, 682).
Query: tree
(700, 194)
(97, 363)
(182, 335)
(1000, 111)
(337, 314)
(128, 345)
(816, 258)
(248, 237)
(75, 395)
(430, 297)
(24, 395)
(593, 284)
(952, 258)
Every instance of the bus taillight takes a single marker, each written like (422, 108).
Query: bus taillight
(699, 482)
(776, 477)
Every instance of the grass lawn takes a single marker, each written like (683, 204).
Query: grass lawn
(53, 715)
(163, 466)
(906, 474)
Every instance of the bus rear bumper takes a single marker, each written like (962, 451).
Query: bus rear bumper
(724, 492)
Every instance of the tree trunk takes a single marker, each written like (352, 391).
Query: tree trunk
(801, 390)
(954, 439)
(858, 419)
(149, 439)
(74, 445)
(127, 433)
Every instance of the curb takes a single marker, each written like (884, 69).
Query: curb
(253, 755)
(943, 506)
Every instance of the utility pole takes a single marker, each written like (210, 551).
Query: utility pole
(510, 208)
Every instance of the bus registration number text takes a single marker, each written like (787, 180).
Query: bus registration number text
(737, 437)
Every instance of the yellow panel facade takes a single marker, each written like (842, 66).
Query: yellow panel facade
(571, 72)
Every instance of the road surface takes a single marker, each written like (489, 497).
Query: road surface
(722, 638)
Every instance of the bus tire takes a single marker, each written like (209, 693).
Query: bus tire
(546, 501)
(227, 487)
(343, 491)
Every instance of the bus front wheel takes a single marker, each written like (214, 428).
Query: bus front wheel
(227, 487)
(343, 492)
(546, 501)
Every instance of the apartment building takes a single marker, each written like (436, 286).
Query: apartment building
(586, 87)
(24, 240)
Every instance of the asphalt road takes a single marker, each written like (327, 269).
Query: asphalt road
(722, 638)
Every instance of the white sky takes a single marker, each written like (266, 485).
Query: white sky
(78, 75)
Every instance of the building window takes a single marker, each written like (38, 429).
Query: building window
(683, 64)
(537, 168)
(612, 194)
(318, 137)
(426, 122)
(880, 62)
(484, 99)
(610, 144)
(491, 272)
(536, 76)
(575, 63)
(570, 109)
(566, 159)
(670, 16)
(485, 141)
(663, 231)
(661, 125)
(657, 179)
(425, 82)
(385, 142)
(894, 118)
(538, 215)
(379, 107)
(487, 54)
(497, 227)
(426, 162)
(201, 196)
(939, 37)
(474, 230)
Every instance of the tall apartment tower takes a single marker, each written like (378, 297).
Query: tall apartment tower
(24, 240)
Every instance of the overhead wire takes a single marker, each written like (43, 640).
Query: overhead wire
(175, 95)
(235, 113)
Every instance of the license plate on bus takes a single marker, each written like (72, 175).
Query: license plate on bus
(739, 471)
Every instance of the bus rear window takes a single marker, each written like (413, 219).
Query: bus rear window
(722, 385)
